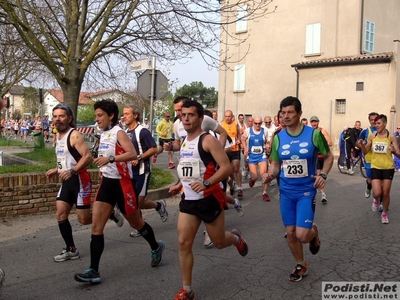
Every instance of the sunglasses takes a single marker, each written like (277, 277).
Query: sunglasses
(267, 122)
(257, 123)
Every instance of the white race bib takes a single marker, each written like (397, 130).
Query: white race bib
(295, 168)
(256, 149)
(189, 170)
(61, 163)
(380, 147)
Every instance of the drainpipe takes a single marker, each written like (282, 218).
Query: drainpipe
(362, 27)
(297, 82)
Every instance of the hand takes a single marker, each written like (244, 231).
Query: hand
(267, 178)
(135, 162)
(101, 161)
(51, 173)
(197, 186)
(65, 174)
(319, 182)
(167, 146)
(175, 189)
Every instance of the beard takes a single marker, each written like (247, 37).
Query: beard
(61, 127)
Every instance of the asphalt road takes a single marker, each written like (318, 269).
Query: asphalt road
(355, 247)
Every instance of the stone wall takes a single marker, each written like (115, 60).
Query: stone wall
(32, 193)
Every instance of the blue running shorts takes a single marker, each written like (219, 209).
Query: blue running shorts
(298, 209)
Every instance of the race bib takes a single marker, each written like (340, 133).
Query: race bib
(295, 168)
(380, 147)
(256, 149)
(189, 170)
(61, 163)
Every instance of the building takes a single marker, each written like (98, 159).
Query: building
(338, 56)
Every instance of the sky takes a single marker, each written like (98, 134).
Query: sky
(194, 69)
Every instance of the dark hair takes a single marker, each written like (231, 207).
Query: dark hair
(304, 119)
(372, 114)
(182, 99)
(381, 117)
(110, 107)
(208, 113)
(291, 101)
(240, 115)
(191, 103)
(68, 110)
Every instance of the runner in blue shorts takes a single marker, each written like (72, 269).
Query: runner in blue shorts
(294, 154)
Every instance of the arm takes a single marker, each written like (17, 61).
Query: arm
(395, 146)
(77, 141)
(244, 143)
(223, 135)
(327, 137)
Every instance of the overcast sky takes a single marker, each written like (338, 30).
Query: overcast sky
(194, 69)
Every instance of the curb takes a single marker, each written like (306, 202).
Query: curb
(162, 193)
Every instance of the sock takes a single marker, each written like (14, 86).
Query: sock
(237, 240)
(112, 217)
(369, 186)
(66, 233)
(148, 234)
(239, 187)
(96, 249)
(188, 288)
(303, 263)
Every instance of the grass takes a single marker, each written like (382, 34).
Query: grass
(47, 159)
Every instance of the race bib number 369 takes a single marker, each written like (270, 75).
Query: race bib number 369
(295, 168)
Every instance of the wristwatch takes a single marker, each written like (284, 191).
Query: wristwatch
(111, 159)
(139, 157)
(323, 175)
(206, 183)
(73, 172)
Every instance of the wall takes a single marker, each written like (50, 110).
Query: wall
(32, 193)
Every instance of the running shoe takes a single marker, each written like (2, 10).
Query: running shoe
(135, 233)
(119, 218)
(251, 183)
(163, 210)
(184, 295)
(367, 193)
(2, 277)
(315, 243)
(242, 246)
(384, 218)
(324, 199)
(171, 166)
(238, 207)
(350, 171)
(157, 255)
(207, 241)
(375, 205)
(89, 275)
(380, 209)
(66, 255)
(271, 184)
(154, 159)
(240, 193)
(266, 197)
(299, 272)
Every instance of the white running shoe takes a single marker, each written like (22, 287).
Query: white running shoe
(135, 233)
(66, 255)
(163, 210)
(375, 205)
(239, 207)
(384, 218)
(367, 193)
(207, 241)
(118, 215)
(350, 171)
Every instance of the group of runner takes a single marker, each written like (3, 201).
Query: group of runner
(20, 128)
(209, 159)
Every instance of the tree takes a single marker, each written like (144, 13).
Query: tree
(71, 37)
(31, 100)
(197, 91)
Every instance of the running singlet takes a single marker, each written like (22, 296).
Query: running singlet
(195, 164)
(207, 124)
(255, 144)
(298, 157)
(382, 158)
(231, 129)
(109, 146)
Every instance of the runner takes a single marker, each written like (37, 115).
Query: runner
(295, 150)
(203, 199)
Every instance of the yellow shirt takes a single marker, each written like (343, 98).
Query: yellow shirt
(164, 129)
(382, 158)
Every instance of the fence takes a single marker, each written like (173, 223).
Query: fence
(87, 131)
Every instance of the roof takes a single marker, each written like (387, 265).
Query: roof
(84, 97)
(17, 90)
(386, 57)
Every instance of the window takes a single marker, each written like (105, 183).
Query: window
(359, 86)
(340, 106)
(241, 19)
(313, 39)
(240, 78)
(369, 36)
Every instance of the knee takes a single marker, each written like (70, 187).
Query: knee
(61, 215)
(85, 221)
